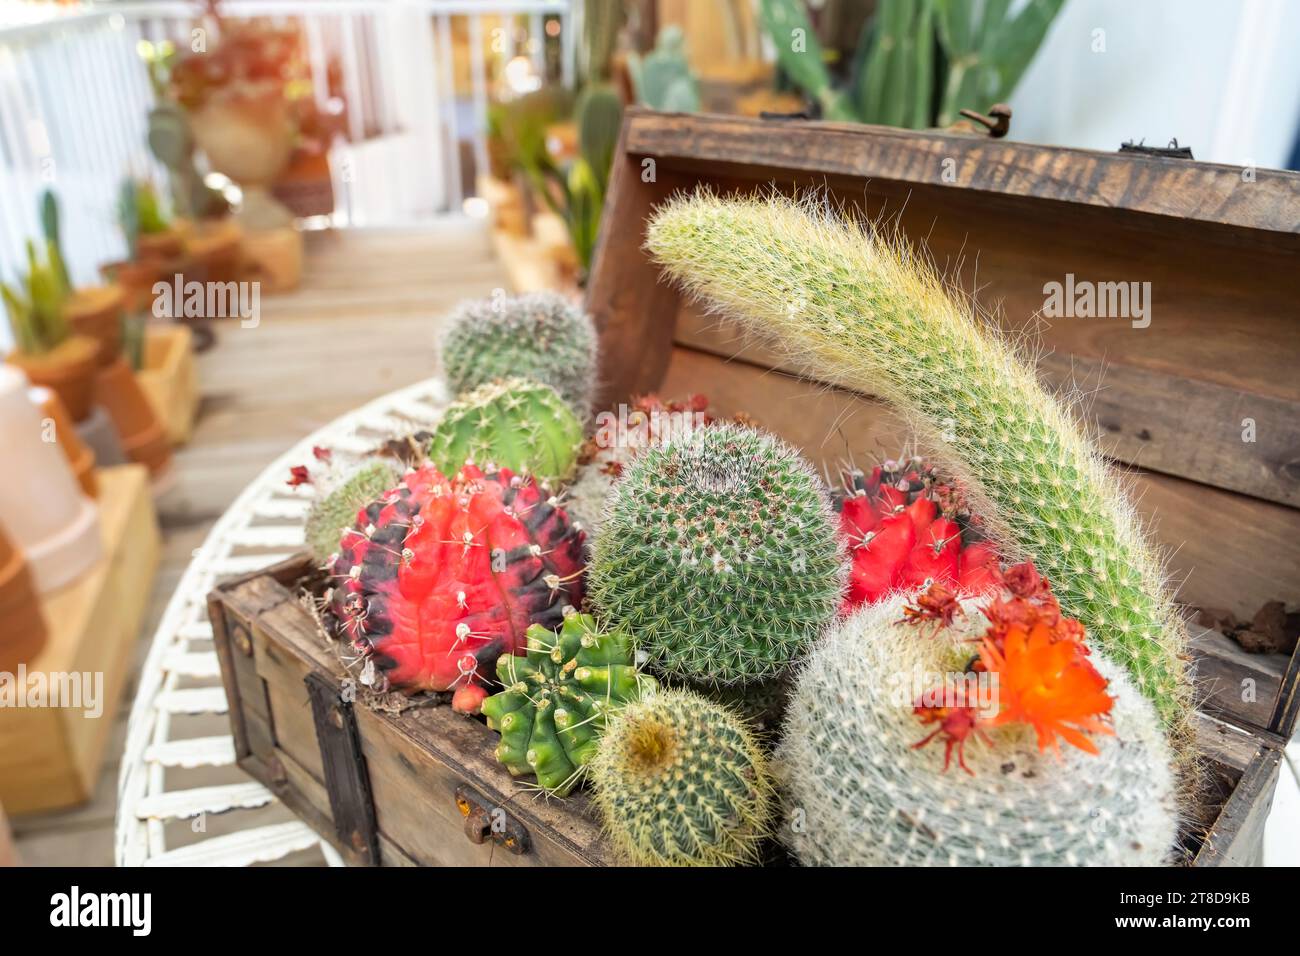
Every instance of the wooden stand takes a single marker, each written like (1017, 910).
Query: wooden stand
(50, 756)
(170, 380)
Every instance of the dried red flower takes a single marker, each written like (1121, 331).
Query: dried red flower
(298, 475)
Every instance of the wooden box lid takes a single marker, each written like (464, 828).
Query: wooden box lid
(1200, 396)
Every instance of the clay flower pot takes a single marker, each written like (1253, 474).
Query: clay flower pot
(142, 434)
(22, 626)
(68, 370)
(41, 507)
(96, 311)
(249, 137)
(136, 280)
(215, 248)
(80, 456)
(159, 245)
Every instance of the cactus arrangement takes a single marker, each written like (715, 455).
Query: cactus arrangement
(516, 424)
(441, 576)
(860, 309)
(682, 781)
(719, 553)
(983, 50)
(35, 306)
(335, 510)
(862, 790)
(538, 335)
(557, 697)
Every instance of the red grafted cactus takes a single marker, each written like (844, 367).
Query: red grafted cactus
(905, 526)
(439, 577)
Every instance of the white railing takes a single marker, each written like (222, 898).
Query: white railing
(74, 99)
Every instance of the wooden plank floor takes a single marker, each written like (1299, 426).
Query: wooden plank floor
(364, 322)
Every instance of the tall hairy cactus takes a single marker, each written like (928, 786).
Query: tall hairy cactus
(859, 309)
(719, 553)
(539, 335)
(681, 781)
(861, 793)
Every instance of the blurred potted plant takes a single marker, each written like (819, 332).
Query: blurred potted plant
(46, 349)
(94, 311)
(662, 79)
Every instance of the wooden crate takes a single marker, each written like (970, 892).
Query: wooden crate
(50, 757)
(424, 787)
(170, 379)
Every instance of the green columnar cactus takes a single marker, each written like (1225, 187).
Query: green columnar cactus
(719, 552)
(599, 114)
(896, 85)
(682, 781)
(539, 335)
(335, 511)
(557, 698)
(860, 310)
(54, 239)
(860, 793)
(516, 423)
(35, 305)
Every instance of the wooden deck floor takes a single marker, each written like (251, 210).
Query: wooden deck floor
(363, 323)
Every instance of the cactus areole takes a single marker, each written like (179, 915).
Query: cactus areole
(440, 577)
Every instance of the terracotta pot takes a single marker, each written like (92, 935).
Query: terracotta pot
(158, 245)
(42, 509)
(275, 258)
(136, 279)
(80, 456)
(68, 370)
(249, 138)
(142, 434)
(215, 246)
(97, 311)
(22, 625)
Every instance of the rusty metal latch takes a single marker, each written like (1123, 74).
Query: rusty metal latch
(484, 822)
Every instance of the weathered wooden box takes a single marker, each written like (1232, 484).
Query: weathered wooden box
(424, 787)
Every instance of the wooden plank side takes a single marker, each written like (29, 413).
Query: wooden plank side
(1205, 192)
(1237, 837)
(1227, 550)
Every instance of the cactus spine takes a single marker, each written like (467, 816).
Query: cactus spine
(539, 336)
(719, 552)
(516, 424)
(859, 309)
(557, 698)
(681, 781)
(861, 794)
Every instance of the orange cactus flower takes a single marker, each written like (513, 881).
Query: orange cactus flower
(1044, 676)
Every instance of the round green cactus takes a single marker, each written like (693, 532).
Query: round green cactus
(539, 335)
(682, 781)
(860, 792)
(334, 512)
(719, 553)
(556, 698)
(515, 423)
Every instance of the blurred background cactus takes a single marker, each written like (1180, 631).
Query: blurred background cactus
(918, 63)
(35, 303)
(662, 78)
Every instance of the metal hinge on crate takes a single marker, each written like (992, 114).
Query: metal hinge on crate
(347, 779)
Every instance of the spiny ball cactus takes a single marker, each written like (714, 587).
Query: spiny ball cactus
(516, 424)
(556, 698)
(720, 553)
(681, 781)
(858, 308)
(539, 335)
(441, 576)
(860, 792)
(334, 511)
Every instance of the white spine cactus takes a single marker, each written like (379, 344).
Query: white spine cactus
(860, 793)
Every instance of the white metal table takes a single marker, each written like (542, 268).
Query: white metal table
(181, 676)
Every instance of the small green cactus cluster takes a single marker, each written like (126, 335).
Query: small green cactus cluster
(540, 335)
(719, 553)
(557, 698)
(859, 792)
(859, 309)
(35, 304)
(336, 506)
(682, 781)
(515, 423)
